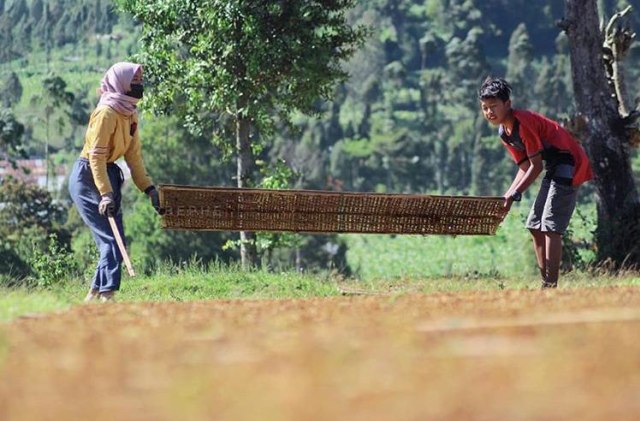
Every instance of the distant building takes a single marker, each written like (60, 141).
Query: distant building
(34, 171)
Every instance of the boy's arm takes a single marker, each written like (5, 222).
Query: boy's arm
(534, 170)
(527, 174)
(522, 170)
(531, 167)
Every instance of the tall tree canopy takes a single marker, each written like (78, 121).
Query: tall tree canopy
(241, 64)
(11, 131)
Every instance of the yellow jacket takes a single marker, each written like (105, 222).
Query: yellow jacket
(111, 135)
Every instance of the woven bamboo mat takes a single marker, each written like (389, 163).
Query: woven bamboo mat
(315, 211)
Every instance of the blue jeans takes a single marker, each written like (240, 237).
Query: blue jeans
(86, 197)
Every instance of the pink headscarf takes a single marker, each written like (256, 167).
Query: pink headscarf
(114, 84)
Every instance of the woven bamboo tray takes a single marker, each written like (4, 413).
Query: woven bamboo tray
(314, 211)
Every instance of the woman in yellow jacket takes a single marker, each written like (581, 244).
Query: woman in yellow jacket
(95, 182)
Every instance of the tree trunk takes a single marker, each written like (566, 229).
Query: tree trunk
(618, 40)
(248, 249)
(619, 83)
(48, 112)
(605, 137)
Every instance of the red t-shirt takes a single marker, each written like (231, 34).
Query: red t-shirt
(535, 134)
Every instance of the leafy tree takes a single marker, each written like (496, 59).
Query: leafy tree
(11, 90)
(237, 65)
(37, 10)
(519, 72)
(467, 67)
(16, 9)
(6, 38)
(54, 96)
(36, 24)
(28, 216)
(11, 131)
(78, 113)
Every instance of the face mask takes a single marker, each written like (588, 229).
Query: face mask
(136, 91)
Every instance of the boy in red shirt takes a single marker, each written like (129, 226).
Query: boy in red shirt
(531, 139)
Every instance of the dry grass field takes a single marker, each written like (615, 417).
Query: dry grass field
(569, 354)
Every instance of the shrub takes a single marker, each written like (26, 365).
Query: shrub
(53, 264)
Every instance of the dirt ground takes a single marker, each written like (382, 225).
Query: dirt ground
(511, 355)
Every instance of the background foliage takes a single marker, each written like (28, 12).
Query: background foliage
(406, 121)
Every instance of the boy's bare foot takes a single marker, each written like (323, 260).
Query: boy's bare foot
(91, 295)
(107, 296)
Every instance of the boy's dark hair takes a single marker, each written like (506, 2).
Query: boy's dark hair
(495, 87)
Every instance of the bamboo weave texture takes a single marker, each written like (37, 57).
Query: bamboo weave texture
(316, 211)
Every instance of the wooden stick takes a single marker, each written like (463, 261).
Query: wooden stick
(123, 250)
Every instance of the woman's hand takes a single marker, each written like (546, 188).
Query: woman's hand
(107, 205)
(155, 199)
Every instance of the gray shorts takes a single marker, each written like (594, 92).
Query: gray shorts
(554, 205)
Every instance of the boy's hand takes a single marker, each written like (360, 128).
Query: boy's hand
(511, 197)
(508, 201)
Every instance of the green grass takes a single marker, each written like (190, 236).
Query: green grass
(192, 283)
(382, 264)
(22, 301)
(187, 283)
(509, 253)
(572, 280)
(220, 283)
